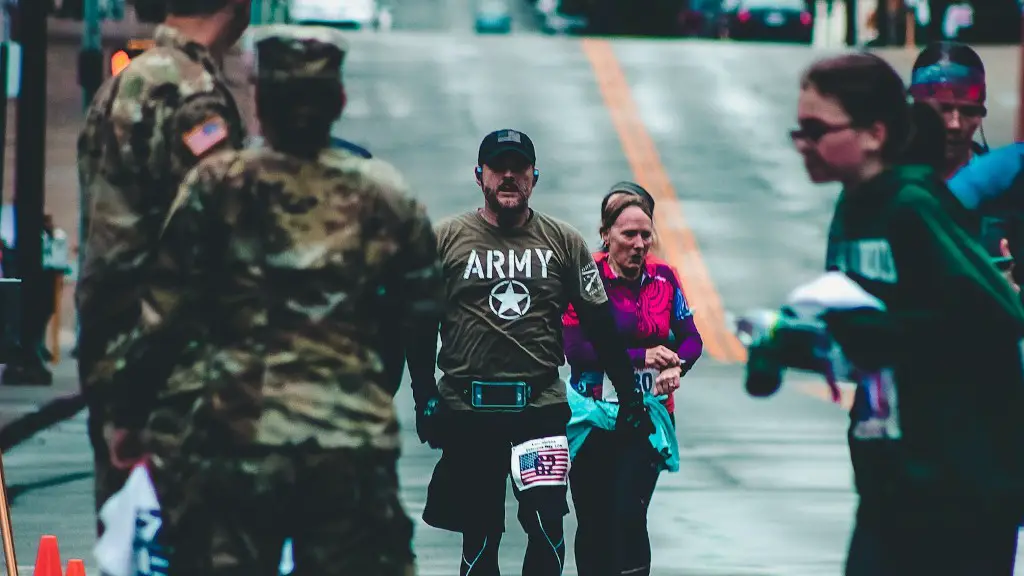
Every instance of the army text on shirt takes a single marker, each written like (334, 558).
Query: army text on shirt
(507, 289)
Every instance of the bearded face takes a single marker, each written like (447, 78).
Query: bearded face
(507, 182)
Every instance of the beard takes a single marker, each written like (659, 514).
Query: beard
(508, 201)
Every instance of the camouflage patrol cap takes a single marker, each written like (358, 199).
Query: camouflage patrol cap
(288, 52)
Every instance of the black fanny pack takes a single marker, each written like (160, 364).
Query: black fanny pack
(503, 395)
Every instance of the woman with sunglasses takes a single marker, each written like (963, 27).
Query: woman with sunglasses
(937, 438)
(613, 476)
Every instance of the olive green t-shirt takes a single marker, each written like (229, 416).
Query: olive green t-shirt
(507, 289)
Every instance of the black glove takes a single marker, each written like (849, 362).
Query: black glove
(764, 370)
(429, 418)
(633, 417)
(866, 336)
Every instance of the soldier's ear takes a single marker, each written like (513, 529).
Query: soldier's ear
(343, 95)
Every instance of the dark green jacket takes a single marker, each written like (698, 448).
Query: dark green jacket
(952, 335)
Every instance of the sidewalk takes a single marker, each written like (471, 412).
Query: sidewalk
(25, 410)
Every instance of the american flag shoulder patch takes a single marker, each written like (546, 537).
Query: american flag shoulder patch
(205, 136)
(541, 462)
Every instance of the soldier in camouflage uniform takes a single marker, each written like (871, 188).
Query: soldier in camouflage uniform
(276, 272)
(144, 130)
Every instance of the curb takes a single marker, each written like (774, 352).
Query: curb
(44, 416)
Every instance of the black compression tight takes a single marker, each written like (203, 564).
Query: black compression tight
(480, 554)
(545, 550)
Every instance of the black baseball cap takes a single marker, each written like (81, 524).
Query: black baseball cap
(501, 141)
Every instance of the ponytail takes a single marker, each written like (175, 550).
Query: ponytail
(925, 142)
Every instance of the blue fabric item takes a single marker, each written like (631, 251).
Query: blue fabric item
(353, 148)
(988, 176)
(947, 72)
(588, 413)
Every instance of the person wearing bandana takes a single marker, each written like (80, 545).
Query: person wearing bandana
(950, 76)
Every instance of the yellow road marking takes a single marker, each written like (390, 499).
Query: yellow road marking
(678, 242)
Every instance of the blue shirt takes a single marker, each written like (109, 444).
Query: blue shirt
(988, 176)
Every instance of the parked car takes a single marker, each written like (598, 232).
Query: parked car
(700, 18)
(493, 17)
(785, 20)
(344, 14)
(560, 16)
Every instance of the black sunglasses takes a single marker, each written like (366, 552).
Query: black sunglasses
(815, 131)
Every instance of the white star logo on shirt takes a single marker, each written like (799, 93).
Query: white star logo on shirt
(510, 299)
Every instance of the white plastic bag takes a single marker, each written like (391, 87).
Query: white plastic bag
(130, 545)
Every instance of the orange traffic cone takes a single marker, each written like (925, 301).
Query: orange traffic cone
(76, 568)
(47, 558)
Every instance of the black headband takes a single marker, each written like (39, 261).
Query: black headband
(629, 188)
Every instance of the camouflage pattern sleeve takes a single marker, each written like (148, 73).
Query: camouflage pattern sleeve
(422, 284)
(139, 140)
(163, 130)
(416, 285)
(420, 279)
(200, 128)
(172, 321)
(412, 278)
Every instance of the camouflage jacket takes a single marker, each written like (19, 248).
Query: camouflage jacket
(144, 130)
(286, 282)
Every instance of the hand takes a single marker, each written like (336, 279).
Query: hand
(1004, 251)
(633, 417)
(124, 446)
(667, 381)
(661, 358)
(428, 422)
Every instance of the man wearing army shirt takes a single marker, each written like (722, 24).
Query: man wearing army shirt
(501, 408)
(144, 130)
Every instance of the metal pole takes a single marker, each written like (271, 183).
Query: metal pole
(6, 525)
(5, 55)
(1020, 85)
(30, 175)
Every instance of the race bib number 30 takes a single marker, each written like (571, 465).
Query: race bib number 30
(541, 462)
(644, 380)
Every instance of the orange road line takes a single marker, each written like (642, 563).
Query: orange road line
(677, 241)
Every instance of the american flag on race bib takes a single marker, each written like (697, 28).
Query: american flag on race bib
(544, 465)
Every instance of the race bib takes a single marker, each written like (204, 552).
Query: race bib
(541, 462)
(878, 415)
(644, 380)
(151, 555)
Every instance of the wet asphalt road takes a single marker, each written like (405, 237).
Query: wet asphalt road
(765, 486)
